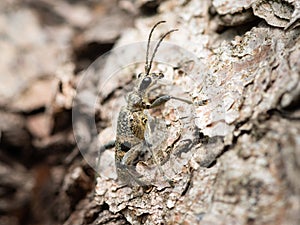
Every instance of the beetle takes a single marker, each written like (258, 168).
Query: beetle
(134, 124)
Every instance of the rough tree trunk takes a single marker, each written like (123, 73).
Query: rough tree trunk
(236, 157)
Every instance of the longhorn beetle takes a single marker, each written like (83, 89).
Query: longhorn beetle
(132, 121)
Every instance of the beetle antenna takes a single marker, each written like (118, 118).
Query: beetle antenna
(147, 65)
(156, 48)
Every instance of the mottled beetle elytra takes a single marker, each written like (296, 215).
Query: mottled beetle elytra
(131, 144)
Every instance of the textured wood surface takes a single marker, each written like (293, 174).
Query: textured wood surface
(234, 160)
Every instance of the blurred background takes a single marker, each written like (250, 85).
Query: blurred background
(44, 45)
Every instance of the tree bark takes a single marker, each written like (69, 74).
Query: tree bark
(236, 157)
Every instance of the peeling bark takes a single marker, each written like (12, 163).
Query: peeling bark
(234, 160)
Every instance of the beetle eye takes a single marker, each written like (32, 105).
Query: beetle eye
(145, 83)
(139, 75)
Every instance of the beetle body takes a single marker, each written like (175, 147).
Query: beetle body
(135, 127)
